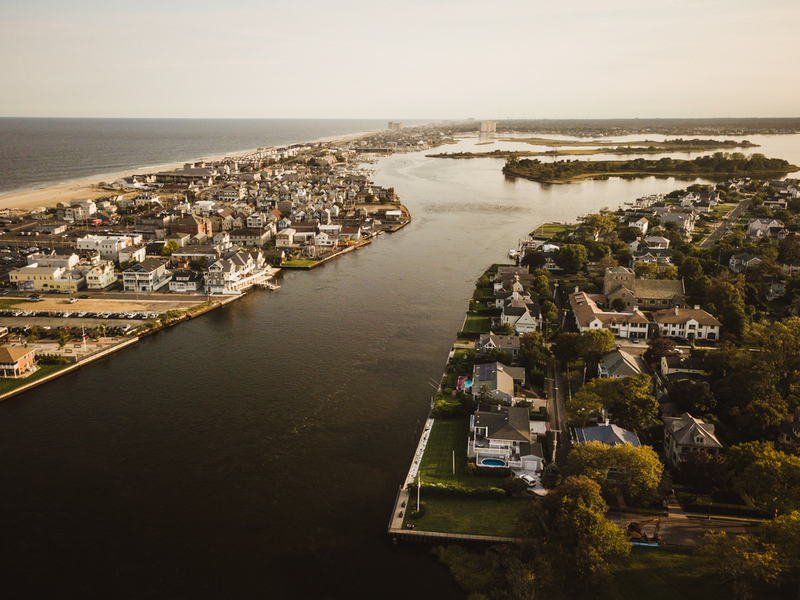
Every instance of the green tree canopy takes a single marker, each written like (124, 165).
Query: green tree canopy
(636, 473)
(574, 543)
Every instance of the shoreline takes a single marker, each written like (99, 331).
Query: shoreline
(86, 187)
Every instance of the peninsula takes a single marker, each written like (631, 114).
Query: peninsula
(650, 353)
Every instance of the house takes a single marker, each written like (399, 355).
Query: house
(621, 282)
(285, 238)
(100, 276)
(790, 429)
(764, 227)
(147, 276)
(236, 272)
(679, 364)
(618, 364)
(250, 237)
(497, 380)
(523, 315)
(588, 316)
(685, 434)
(508, 344)
(743, 261)
(687, 323)
(185, 281)
(606, 433)
(132, 253)
(16, 361)
(108, 246)
(501, 437)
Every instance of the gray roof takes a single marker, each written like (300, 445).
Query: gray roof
(608, 434)
(686, 430)
(619, 363)
(505, 423)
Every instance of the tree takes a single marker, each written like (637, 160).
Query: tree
(572, 257)
(771, 478)
(628, 399)
(533, 260)
(784, 533)
(657, 348)
(574, 543)
(693, 397)
(565, 346)
(532, 352)
(629, 234)
(704, 473)
(637, 470)
(582, 407)
(593, 344)
(170, 247)
(551, 476)
(63, 337)
(741, 562)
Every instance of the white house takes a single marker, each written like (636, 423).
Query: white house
(688, 323)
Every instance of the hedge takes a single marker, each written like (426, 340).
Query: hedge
(448, 489)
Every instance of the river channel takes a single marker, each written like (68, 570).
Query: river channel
(256, 451)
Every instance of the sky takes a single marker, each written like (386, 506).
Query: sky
(400, 59)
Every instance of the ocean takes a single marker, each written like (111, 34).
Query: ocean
(40, 152)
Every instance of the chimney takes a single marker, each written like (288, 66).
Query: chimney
(606, 422)
(676, 311)
(697, 307)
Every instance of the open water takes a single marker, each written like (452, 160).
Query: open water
(256, 451)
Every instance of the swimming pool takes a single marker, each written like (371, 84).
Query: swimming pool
(493, 462)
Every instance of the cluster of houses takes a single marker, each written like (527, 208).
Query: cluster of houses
(502, 432)
(214, 218)
(664, 300)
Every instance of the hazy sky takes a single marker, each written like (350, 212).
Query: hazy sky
(397, 59)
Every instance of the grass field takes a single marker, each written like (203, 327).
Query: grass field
(476, 516)
(12, 302)
(658, 574)
(8, 385)
(299, 263)
(437, 463)
(476, 324)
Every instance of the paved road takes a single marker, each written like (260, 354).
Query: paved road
(726, 224)
(558, 414)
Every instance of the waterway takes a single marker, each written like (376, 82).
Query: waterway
(257, 450)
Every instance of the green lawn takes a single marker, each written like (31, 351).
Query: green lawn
(476, 516)
(299, 263)
(476, 324)
(437, 463)
(6, 303)
(7, 385)
(658, 574)
(484, 294)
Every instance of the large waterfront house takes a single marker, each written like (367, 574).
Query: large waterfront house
(508, 344)
(496, 380)
(501, 437)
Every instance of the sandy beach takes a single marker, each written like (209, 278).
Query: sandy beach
(87, 188)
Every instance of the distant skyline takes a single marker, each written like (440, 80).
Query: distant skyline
(396, 60)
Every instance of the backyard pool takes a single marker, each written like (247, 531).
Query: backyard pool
(493, 462)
